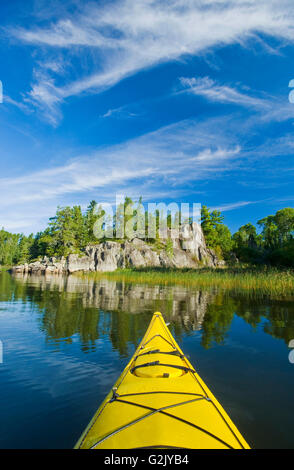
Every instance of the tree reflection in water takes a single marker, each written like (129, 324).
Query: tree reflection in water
(70, 305)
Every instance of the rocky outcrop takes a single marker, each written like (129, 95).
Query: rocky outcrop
(188, 251)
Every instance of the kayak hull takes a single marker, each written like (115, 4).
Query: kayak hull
(160, 401)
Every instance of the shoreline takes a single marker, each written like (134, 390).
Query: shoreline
(253, 280)
(258, 281)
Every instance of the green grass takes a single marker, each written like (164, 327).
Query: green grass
(4, 268)
(264, 281)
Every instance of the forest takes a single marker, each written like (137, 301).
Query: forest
(269, 242)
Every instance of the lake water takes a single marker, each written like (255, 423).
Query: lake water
(66, 339)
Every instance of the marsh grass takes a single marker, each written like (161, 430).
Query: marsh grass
(4, 268)
(269, 282)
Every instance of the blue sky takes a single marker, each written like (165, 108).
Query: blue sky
(184, 101)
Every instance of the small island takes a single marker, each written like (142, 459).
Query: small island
(205, 253)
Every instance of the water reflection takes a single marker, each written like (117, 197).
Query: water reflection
(71, 305)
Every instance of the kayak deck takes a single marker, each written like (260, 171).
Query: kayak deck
(160, 401)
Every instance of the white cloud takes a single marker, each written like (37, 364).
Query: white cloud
(120, 112)
(267, 108)
(127, 36)
(205, 86)
(158, 165)
(110, 112)
(17, 104)
(207, 155)
(171, 163)
(236, 205)
(233, 206)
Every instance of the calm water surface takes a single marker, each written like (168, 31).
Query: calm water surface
(66, 340)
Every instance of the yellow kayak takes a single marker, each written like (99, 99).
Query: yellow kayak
(159, 401)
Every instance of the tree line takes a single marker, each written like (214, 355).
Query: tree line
(71, 230)
(273, 245)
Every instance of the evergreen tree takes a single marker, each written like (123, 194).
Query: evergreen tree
(217, 235)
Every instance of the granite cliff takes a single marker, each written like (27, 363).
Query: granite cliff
(186, 249)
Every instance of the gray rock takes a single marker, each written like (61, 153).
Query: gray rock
(189, 251)
(108, 256)
(79, 263)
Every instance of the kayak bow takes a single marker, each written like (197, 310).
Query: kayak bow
(159, 401)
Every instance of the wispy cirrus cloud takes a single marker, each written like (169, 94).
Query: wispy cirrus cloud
(237, 205)
(209, 156)
(234, 205)
(18, 104)
(170, 158)
(211, 90)
(126, 37)
(120, 112)
(183, 151)
(266, 108)
(174, 161)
